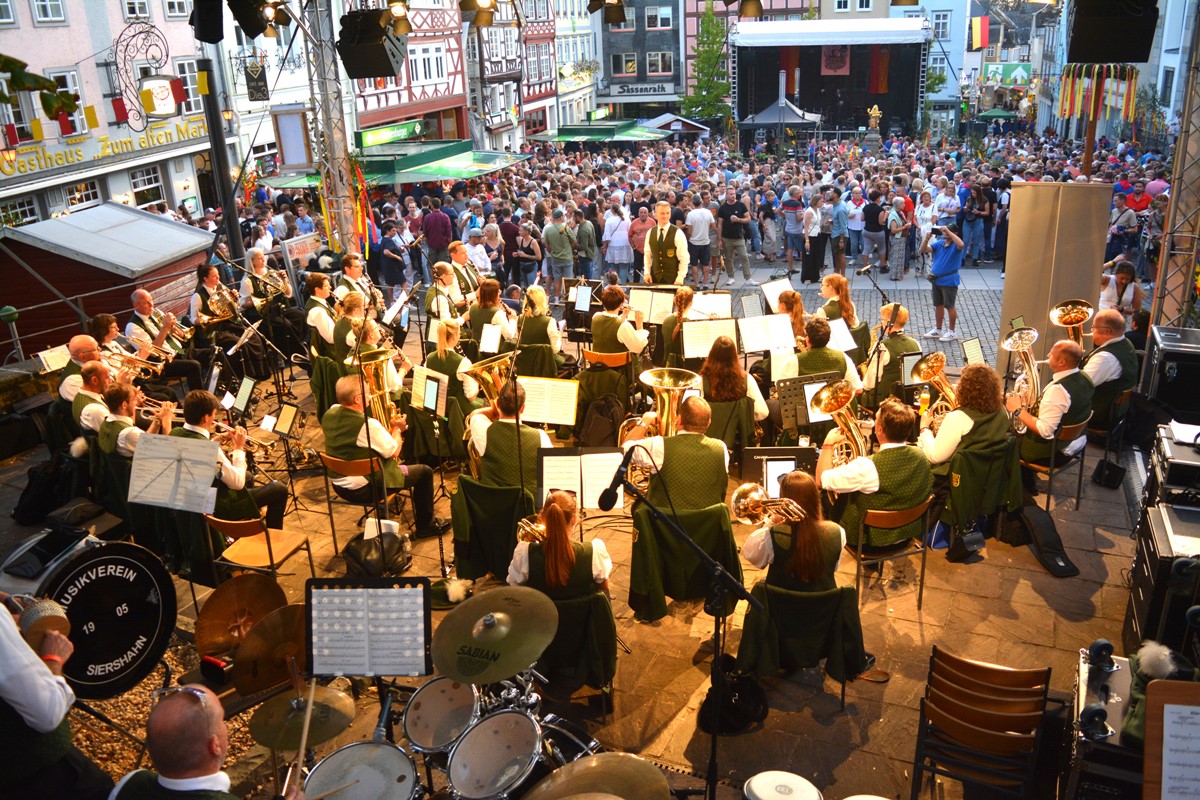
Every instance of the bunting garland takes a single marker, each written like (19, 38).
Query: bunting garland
(1088, 89)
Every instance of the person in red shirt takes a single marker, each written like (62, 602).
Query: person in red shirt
(1139, 199)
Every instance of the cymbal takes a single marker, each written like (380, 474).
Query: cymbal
(233, 609)
(622, 774)
(494, 635)
(279, 721)
(262, 659)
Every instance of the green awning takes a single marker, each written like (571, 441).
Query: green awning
(632, 133)
(462, 166)
(292, 181)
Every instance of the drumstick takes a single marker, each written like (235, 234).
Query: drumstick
(308, 709)
(323, 795)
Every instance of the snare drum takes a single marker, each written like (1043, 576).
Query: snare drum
(779, 785)
(507, 752)
(438, 713)
(382, 770)
(120, 602)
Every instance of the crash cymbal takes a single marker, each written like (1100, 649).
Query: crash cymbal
(262, 658)
(279, 721)
(622, 774)
(233, 609)
(494, 635)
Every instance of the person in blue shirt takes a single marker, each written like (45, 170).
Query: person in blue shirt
(946, 264)
(304, 223)
(839, 234)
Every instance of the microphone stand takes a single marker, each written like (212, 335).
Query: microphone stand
(276, 363)
(874, 283)
(512, 378)
(721, 585)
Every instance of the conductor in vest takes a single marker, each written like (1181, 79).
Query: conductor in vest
(688, 470)
(345, 425)
(38, 759)
(495, 435)
(188, 743)
(666, 255)
(895, 478)
(1112, 365)
(557, 566)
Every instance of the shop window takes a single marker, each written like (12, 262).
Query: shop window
(18, 212)
(624, 64)
(82, 195)
(147, 186)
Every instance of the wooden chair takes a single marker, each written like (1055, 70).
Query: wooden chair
(352, 468)
(1066, 433)
(890, 520)
(623, 361)
(256, 547)
(993, 676)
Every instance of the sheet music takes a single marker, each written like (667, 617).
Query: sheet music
(699, 335)
(751, 306)
(433, 332)
(392, 311)
(972, 351)
(662, 304)
(489, 340)
(1181, 751)
(780, 359)
(772, 289)
(640, 300)
(597, 467)
(55, 358)
(839, 336)
(581, 296)
(549, 400)
(769, 332)
(368, 631)
(558, 469)
(718, 305)
(174, 472)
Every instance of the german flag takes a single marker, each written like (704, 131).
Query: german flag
(979, 33)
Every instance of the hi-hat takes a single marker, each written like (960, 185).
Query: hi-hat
(494, 635)
(279, 722)
(624, 775)
(233, 609)
(262, 659)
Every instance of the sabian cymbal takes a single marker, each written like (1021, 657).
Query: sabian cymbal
(621, 774)
(494, 635)
(279, 722)
(262, 659)
(233, 609)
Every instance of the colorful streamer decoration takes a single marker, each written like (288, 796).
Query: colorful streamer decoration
(1089, 89)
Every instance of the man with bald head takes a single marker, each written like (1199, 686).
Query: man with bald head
(188, 742)
(1066, 400)
(149, 326)
(88, 407)
(83, 348)
(1112, 365)
(689, 469)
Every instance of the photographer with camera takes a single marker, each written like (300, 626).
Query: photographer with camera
(947, 260)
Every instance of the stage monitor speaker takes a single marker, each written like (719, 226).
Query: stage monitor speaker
(207, 21)
(1104, 31)
(368, 47)
(249, 15)
(1172, 371)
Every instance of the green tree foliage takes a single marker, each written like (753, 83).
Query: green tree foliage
(54, 100)
(707, 96)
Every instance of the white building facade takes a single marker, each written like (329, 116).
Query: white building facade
(578, 64)
(949, 21)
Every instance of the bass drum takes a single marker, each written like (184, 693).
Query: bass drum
(120, 601)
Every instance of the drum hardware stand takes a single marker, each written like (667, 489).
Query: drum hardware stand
(721, 586)
(118, 727)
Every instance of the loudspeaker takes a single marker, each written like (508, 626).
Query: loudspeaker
(249, 16)
(1105, 31)
(1172, 372)
(207, 21)
(368, 47)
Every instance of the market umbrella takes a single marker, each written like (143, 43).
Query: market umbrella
(997, 113)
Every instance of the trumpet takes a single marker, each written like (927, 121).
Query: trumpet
(183, 333)
(750, 505)
(161, 352)
(256, 446)
(148, 408)
(123, 362)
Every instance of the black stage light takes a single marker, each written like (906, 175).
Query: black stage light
(249, 15)
(208, 21)
(368, 47)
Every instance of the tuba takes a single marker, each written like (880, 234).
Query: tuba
(491, 374)
(668, 385)
(834, 399)
(931, 369)
(1072, 315)
(373, 365)
(1026, 382)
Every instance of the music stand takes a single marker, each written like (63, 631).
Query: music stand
(288, 427)
(174, 472)
(796, 458)
(794, 397)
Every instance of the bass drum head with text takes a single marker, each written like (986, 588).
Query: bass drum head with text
(120, 601)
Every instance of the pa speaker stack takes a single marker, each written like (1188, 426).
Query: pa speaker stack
(1107, 31)
(368, 47)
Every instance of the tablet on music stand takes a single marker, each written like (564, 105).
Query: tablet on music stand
(286, 420)
(774, 471)
(213, 378)
(1017, 322)
(972, 351)
(244, 394)
(583, 297)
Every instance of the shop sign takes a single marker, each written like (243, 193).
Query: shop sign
(598, 114)
(635, 89)
(37, 157)
(371, 137)
(158, 98)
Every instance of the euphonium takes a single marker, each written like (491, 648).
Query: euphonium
(931, 369)
(669, 385)
(492, 373)
(750, 505)
(1072, 315)
(531, 529)
(1027, 383)
(834, 399)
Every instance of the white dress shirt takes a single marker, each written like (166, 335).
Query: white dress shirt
(127, 439)
(361, 286)
(518, 568)
(477, 255)
(680, 245)
(231, 470)
(382, 442)
(93, 414)
(218, 782)
(1056, 402)
(755, 394)
(859, 475)
(1103, 366)
(27, 684)
(321, 321)
(654, 444)
(69, 386)
(634, 340)
(444, 302)
(938, 449)
(791, 369)
(760, 551)
(479, 428)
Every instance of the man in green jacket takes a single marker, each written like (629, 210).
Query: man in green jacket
(1112, 366)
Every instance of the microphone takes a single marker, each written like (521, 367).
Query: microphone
(863, 270)
(380, 734)
(608, 498)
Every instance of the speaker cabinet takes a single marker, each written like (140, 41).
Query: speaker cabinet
(1104, 31)
(368, 47)
(1172, 371)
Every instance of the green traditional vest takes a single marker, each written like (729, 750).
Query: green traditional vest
(318, 342)
(664, 261)
(499, 464)
(350, 285)
(1126, 356)
(477, 317)
(986, 430)
(431, 296)
(468, 279)
(170, 342)
(110, 429)
(831, 549)
(448, 366)
(896, 346)
(340, 349)
(70, 369)
(673, 347)
(904, 481)
(579, 583)
(144, 785)
(692, 472)
(536, 330)
(24, 751)
(342, 426)
(604, 334)
(820, 359)
(81, 402)
(832, 309)
(231, 503)
(1081, 391)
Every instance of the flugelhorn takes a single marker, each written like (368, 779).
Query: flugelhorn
(256, 446)
(123, 362)
(1027, 382)
(750, 505)
(931, 369)
(1072, 315)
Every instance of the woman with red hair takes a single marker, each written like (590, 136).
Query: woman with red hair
(557, 566)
